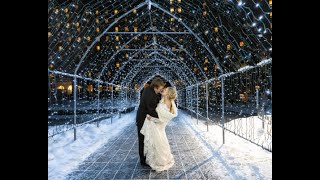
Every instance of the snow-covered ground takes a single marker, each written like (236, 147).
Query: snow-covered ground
(65, 154)
(237, 158)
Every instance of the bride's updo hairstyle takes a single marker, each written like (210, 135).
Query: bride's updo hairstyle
(172, 93)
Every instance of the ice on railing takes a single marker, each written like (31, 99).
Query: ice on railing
(266, 61)
(245, 68)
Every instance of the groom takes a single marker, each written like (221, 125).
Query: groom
(148, 103)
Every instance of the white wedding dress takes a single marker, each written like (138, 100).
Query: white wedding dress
(156, 145)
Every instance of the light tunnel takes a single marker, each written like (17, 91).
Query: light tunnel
(217, 53)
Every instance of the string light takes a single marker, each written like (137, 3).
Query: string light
(72, 29)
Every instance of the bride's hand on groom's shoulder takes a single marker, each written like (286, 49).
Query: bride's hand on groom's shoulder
(148, 117)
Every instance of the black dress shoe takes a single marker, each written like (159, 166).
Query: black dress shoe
(145, 164)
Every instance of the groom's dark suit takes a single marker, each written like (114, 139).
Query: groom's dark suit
(148, 103)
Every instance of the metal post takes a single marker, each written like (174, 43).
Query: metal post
(207, 98)
(127, 95)
(98, 104)
(197, 103)
(112, 105)
(75, 107)
(191, 107)
(257, 98)
(222, 108)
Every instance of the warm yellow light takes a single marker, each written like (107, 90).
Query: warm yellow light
(69, 90)
(68, 25)
(89, 74)
(117, 38)
(135, 11)
(117, 47)
(78, 29)
(179, 10)
(117, 88)
(270, 2)
(66, 10)
(79, 39)
(98, 48)
(77, 24)
(195, 69)
(172, 9)
(90, 88)
(107, 38)
(216, 29)
(206, 60)
(57, 11)
(49, 34)
(51, 66)
(171, 1)
(127, 56)
(135, 29)
(205, 68)
(60, 87)
(115, 11)
(67, 15)
(98, 29)
(228, 47)
(216, 67)
(179, 1)
(117, 64)
(97, 12)
(69, 39)
(88, 38)
(116, 29)
(241, 43)
(172, 19)
(97, 20)
(126, 29)
(270, 14)
(204, 13)
(60, 48)
(145, 37)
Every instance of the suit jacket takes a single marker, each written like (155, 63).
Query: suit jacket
(148, 103)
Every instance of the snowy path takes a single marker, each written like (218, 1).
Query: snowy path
(198, 155)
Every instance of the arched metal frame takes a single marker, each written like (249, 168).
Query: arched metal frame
(127, 80)
(185, 66)
(166, 59)
(150, 4)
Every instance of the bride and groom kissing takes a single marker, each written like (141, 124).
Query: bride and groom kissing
(153, 115)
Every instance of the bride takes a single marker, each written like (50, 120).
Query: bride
(156, 146)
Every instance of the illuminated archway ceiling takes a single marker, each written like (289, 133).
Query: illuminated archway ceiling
(238, 33)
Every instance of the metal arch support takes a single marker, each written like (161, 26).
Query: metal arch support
(113, 55)
(147, 2)
(106, 30)
(160, 55)
(150, 77)
(187, 52)
(141, 62)
(190, 30)
(170, 51)
(135, 73)
(141, 68)
(122, 67)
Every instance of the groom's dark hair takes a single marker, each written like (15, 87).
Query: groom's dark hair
(156, 83)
